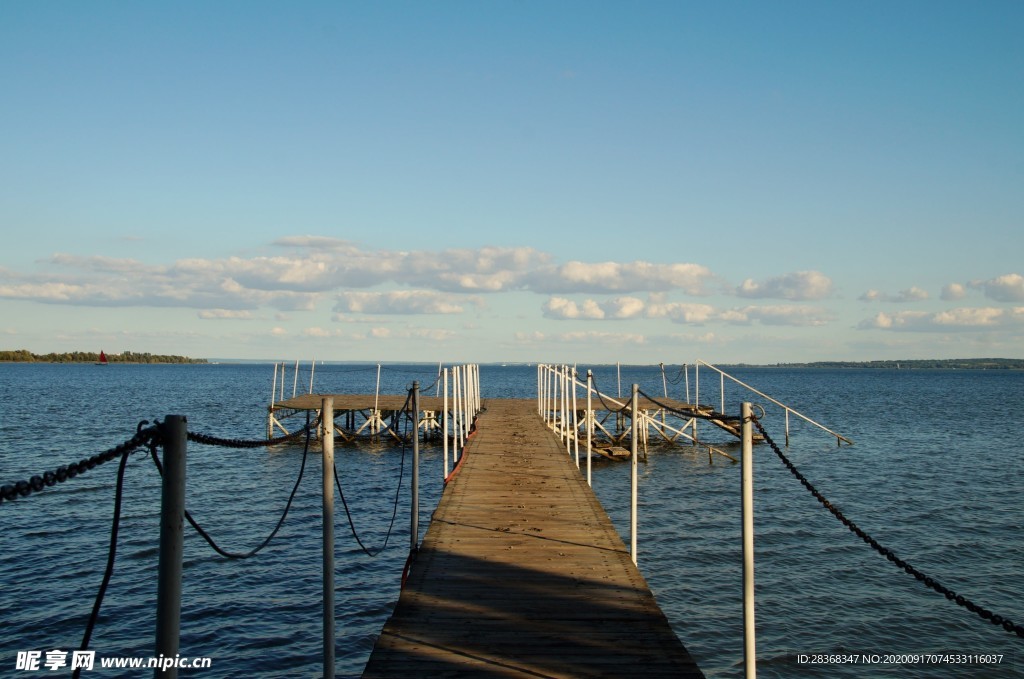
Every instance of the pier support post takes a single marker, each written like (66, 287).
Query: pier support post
(749, 651)
(327, 413)
(172, 542)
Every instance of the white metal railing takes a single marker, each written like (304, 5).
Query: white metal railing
(722, 377)
(554, 384)
(465, 405)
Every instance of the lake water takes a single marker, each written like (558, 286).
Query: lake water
(935, 475)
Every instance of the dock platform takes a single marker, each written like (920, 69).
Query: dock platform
(522, 573)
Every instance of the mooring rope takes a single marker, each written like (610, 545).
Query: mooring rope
(111, 557)
(929, 582)
(153, 441)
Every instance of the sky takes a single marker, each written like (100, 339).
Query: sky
(522, 181)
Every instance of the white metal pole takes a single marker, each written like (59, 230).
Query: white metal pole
(476, 389)
(696, 397)
(414, 525)
(721, 389)
(547, 397)
(633, 472)
(575, 421)
(749, 654)
(270, 409)
(540, 407)
(172, 542)
(565, 406)
(444, 416)
(327, 414)
(467, 387)
(459, 416)
(590, 423)
(787, 427)
(295, 379)
(312, 370)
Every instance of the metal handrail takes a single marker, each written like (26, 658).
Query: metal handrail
(839, 437)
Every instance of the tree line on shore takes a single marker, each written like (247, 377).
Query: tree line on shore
(25, 356)
(920, 364)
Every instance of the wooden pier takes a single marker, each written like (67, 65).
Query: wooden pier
(521, 573)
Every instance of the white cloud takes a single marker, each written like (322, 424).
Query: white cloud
(801, 285)
(963, 318)
(619, 308)
(397, 302)
(1006, 288)
(610, 277)
(784, 314)
(682, 312)
(913, 294)
(595, 337)
(535, 337)
(562, 308)
(953, 292)
(232, 314)
(624, 307)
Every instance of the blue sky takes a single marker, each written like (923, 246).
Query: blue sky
(514, 181)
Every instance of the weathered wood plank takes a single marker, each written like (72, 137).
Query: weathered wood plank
(522, 574)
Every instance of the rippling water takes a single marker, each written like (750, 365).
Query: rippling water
(935, 474)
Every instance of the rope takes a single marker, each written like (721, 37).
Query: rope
(111, 554)
(401, 473)
(238, 555)
(929, 582)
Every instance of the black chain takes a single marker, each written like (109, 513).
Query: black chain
(12, 491)
(307, 430)
(600, 397)
(691, 412)
(929, 582)
(241, 443)
(401, 473)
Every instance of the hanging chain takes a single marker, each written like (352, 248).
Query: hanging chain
(929, 582)
(12, 491)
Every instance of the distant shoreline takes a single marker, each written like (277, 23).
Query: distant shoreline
(912, 364)
(25, 356)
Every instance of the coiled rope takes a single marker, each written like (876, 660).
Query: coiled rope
(929, 582)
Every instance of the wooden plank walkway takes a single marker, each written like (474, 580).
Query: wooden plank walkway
(521, 573)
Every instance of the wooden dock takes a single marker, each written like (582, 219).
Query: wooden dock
(521, 573)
